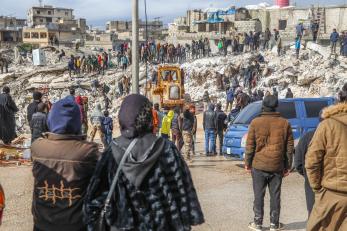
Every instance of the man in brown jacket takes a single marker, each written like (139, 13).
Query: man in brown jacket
(63, 163)
(268, 157)
(326, 167)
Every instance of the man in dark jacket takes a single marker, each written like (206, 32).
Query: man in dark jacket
(221, 126)
(315, 29)
(230, 99)
(63, 163)
(187, 127)
(38, 123)
(206, 100)
(268, 157)
(334, 38)
(267, 37)
(289, 94)
(8, 109)
(32, 108)
(210, 128)
(300, 153)
(155, 190)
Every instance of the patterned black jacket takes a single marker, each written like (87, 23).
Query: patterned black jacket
(166, 200)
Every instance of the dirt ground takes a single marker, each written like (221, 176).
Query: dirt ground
(224, 190)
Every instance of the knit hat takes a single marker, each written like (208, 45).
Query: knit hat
(37, 95)
(135, 116)
(65, 117)
(270, 103)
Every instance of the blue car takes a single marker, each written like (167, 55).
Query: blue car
(302, 113)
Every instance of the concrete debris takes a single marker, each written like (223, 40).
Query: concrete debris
(314, 74)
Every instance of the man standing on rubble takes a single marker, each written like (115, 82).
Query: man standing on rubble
(314, 29)
(334, 38)
(267, 37)
(268, 158)
(299, 30)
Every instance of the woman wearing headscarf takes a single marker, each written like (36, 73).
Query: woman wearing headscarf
(155, 190)
(8, 109)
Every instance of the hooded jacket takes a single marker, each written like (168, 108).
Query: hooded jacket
(326, 159)
(166, 123)
(154, 191)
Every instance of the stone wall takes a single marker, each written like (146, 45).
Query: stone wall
(247, 26)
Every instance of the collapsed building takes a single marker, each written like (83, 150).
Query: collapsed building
(217, 23)
(11, 29)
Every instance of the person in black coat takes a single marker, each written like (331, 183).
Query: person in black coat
(32, 108)
(38, 123)
(221, 126)
(300, 153)
(289, 94)
(155, 190)
(8, 109)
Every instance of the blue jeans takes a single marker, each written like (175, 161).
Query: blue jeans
(210, 140)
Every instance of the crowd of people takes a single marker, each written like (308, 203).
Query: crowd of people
(154, 170)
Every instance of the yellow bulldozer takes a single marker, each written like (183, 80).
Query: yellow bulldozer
(168, 88)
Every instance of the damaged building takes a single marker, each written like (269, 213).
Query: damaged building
(48, 24)
(217, 23)
(11, 29)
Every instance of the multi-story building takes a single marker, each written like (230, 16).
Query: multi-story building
(11, 29)
(54, 25)
(48, 14)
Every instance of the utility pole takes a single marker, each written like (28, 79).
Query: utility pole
(135, 47)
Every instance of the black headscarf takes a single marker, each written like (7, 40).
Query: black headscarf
(135, 116)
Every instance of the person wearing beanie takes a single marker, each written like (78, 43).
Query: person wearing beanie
(32, 107)
(326, 168)
(63, 164)
(153, 173)
(268, 157)
(96, 119)
(8, 109)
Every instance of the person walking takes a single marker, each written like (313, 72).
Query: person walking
(210, 128)
(299, 160)
(268, 157)
(63, 163)
(206, 100)
(221, 126)
(289, 94)
(230, 99)
(334, 38)
(154, 189)
(297, 47)
(165, 130)
(8, 109)
(326, 168)
(38, 123)
(107, 129)
(187, 128)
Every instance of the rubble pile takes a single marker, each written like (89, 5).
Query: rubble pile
(315, 74)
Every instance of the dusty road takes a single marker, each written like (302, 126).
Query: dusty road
(224, 190)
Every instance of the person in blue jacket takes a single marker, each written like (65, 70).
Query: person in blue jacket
(334, 38)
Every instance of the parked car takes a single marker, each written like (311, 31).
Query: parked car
(2, 203)
(302, 113)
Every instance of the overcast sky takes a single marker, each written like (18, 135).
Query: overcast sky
(97, 12)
